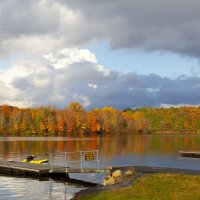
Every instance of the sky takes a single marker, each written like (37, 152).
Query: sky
(117, 53)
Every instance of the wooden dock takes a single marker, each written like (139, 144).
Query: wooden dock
(40, 170)
(190, 154)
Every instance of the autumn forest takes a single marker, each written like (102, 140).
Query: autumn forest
(74, 120)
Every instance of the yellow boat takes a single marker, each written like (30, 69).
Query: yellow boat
(30, 159)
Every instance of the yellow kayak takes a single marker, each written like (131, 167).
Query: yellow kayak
(30, 159)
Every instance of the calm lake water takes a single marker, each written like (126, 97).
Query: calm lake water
(149, 150)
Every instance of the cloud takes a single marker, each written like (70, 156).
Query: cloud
(145, 25)
(67, 56)
(62, 78)
(43, 26)
(52, 66)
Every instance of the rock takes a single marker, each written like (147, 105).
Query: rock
(119, 179)
(128, 173)
(109, 181)
(107, 177)
(117, 174)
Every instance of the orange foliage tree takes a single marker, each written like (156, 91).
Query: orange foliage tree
(48, 121)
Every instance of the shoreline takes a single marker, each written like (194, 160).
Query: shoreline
(104, 134)
(140, 171)
(101, 188)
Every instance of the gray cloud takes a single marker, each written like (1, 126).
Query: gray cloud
(18, 18)
(146, 25)
(151, 90)
(152, 25)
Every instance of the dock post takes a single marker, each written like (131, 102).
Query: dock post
(66, 160)
(81, 158)
(67, 176)
(81, 165)
(97, 159)
(98, 165)
(51, 161)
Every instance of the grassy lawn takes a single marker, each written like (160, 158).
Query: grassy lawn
(156, 187)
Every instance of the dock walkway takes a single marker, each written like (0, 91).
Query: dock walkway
(38, 170)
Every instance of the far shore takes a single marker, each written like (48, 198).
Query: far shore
(106, 134)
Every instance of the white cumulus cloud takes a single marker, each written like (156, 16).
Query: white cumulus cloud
(67, 57)
(75, 75)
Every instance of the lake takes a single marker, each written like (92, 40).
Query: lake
(149, 150)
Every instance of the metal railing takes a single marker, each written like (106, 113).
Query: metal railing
(77, 160)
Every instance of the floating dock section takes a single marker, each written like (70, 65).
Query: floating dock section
(190, 154)
(40, 170)
(27, 169)
(60, 165)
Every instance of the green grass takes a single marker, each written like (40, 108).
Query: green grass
(156, 187)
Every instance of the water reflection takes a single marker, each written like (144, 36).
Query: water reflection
(152, 150)
(12, 188)
(57, 191)
(63, 190)
(109, 146)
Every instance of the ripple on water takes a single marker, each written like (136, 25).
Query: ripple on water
(12, 188)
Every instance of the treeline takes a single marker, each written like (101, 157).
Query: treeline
(181, 119)
(47, 121)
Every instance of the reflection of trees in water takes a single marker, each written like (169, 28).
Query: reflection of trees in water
(108, 145)
(58, 190)
(62, 189)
